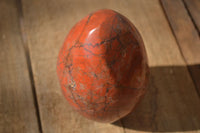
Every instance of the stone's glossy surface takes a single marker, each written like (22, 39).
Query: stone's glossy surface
(102, 66)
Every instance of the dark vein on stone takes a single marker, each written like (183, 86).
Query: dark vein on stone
(69, 66)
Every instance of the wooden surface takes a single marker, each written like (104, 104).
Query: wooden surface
(17, 109)
(186, 35)
(193, 7)
(32, 32)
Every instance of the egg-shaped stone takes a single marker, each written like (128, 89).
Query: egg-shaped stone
(102, 66)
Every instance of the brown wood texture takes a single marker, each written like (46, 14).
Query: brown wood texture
(17, 110)
(170, 105)
(194, 9)
(186, 35)
(47, 24)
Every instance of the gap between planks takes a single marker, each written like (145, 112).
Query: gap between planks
(192, 69)
(28, 60)
(191, 17)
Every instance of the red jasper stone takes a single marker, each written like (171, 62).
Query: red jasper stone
(102, 66)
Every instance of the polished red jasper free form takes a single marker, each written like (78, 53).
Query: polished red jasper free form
(102, 66)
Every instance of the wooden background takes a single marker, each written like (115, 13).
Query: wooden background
(32, 32)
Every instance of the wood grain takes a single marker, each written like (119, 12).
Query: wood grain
(194, 9)
(186, 36)
(47, 25)
(17, 110)
(171, 103)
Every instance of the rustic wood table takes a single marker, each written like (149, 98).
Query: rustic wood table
(32, 32)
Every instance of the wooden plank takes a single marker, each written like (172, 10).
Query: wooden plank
(194, 9)
(168, 106)
(171, 103)
(17, 110)
(186, 35)
(184, 30)
(47, 24)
